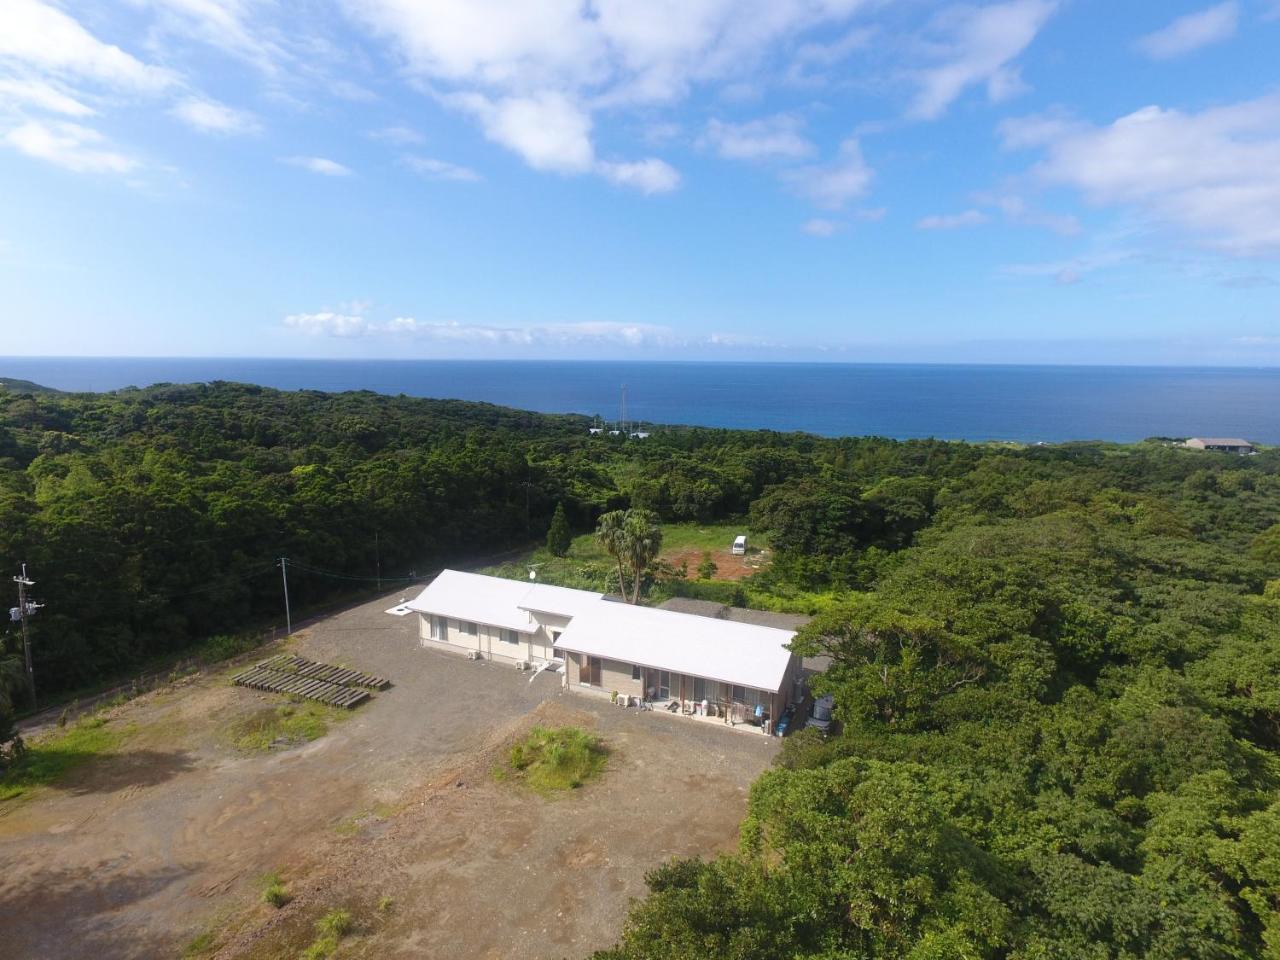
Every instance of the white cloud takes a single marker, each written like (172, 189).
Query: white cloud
(1191, 32)
(768, 138)
(320, 165)
(547, 129)
(69, 145)
(980, 44)
(1017, 210)
(821, 227)
(226, 25)
(434, 169)
(1210, 175)
(832, 186)
(552, 133)
(210, 116)
(952, 221)
(534, 74)
(44, 38)
(648, 176)
(43, 96)
(355, 325)
(330, 324)
(1071, 271)
(399, 135)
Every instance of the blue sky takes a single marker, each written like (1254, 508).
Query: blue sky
(1019, 181)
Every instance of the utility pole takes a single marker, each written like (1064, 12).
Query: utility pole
(377, 555)
(284, 577)
(25, 608)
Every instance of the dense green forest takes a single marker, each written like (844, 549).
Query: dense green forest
(1057, 669)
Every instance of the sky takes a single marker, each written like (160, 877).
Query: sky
(1041, 181)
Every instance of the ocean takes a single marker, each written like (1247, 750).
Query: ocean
(956, 402)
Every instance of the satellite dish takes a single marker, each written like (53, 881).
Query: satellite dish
(533, 574)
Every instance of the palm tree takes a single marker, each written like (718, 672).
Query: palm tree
(609, 532)
(642, 538)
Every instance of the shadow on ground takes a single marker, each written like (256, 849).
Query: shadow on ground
(85, 902)
(133, 768)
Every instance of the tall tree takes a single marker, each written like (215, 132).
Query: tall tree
(634, 539)
(609, 532)
(559, 536)
(642, 538)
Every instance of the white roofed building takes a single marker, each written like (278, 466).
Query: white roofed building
(675, 661)
(1221, 444)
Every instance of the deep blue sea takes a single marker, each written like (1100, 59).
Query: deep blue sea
(962, 402)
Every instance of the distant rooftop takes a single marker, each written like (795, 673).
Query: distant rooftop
(720, 611)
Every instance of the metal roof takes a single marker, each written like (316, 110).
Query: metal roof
(497, 602)
(745, 654)
(737, 653)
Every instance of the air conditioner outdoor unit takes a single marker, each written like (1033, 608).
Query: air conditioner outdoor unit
(522, 664)
(473, 654)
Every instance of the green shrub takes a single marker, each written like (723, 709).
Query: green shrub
(330, 929)
(226, 646)
(274, 891)
(557, 758)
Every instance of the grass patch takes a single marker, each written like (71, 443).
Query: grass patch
(51, 758)
(551, 759)
(330, 929)
(285, 725)
(716, 537)
(274, 891)
(587, 567)
(200, 944)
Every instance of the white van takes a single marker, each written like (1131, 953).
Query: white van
(739, 545)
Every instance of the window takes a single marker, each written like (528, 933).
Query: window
(470, 629)
(739, 695)
(699, 688)
(437, 627)
(590, 674)
(635, 672)
(508, 636)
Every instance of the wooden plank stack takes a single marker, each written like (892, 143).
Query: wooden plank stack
(299, 677)
(291, 663)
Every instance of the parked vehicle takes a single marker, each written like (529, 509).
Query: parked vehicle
(820, 719)
(739, 547)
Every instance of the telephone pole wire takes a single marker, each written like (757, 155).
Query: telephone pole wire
(284, 577)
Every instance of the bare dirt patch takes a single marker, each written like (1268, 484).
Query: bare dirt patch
(393, 814)
(728, 566)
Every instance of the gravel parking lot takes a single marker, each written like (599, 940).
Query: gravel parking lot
(136, 854)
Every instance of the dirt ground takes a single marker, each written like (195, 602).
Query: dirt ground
(393, 814)
(728, 566)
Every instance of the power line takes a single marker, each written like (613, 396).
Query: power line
(307, 568)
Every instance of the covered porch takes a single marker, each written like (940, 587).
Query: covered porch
(675, 693)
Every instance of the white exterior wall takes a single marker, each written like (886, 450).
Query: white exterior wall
(488, 639)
